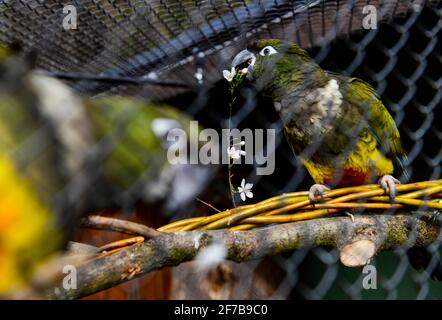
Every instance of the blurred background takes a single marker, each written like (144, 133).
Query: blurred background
(88, 146)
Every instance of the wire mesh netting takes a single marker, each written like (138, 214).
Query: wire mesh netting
(172, 54)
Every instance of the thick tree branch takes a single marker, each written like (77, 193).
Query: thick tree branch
(362, 242)
(384, 231)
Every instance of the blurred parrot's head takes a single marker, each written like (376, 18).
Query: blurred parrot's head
(273, 66)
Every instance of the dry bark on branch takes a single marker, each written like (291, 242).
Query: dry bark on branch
(382, 231)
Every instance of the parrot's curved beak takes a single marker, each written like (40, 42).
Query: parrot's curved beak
(242, 62)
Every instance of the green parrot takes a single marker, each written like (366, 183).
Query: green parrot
(31, 223)
(336, 125)
(62, 156)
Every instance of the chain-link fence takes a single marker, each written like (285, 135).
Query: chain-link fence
(172, 54)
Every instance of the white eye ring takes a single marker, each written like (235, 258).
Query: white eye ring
(267, 51)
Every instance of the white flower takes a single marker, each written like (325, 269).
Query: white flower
(245, 190)
(229, 75)
(234, 153)
(211, 256)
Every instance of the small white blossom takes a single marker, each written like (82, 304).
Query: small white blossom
(245, 190)
(234, 153)
(152, 76)
(229, 75)
(211, 256)
(199, 75)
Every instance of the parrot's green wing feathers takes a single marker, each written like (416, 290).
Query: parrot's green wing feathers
(381, 123)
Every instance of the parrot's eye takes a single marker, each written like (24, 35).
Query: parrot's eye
(267, 51)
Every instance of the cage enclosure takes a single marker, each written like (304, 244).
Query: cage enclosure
(88, 130)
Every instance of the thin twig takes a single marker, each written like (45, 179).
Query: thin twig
(118, 225)
(208, 204)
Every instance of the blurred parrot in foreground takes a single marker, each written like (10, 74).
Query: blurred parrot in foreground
(62, 157)
(31, 222)
(336, 125)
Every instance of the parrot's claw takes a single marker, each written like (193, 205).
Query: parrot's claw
(317, 190)
(388, 183)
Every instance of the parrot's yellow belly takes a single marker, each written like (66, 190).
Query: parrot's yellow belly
(361, 166)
